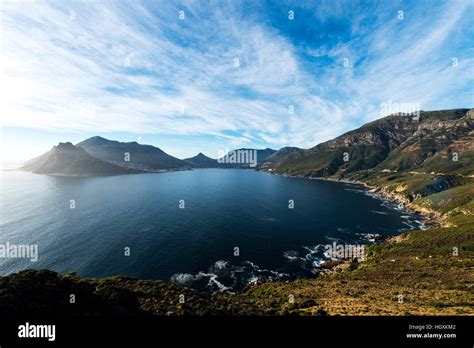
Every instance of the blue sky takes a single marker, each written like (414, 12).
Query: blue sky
(228, 74)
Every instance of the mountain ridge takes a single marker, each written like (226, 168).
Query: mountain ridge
(67, 159)
(202, 161)
(391, 143)
(374, 143)
(131, 154)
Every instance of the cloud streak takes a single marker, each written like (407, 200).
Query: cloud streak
(225, 71)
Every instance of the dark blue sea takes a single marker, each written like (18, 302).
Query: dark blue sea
(236, 226)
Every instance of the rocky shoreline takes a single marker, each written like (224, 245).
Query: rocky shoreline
(436, 219)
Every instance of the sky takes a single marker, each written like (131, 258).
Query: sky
(206, 76)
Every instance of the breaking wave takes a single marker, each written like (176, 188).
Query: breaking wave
(222, 276)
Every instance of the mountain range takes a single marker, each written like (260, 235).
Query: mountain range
(438, 141)
(67, 159)
(100, 156)
(131, 154)
(433, 141)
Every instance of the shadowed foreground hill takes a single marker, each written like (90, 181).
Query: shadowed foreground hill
(43, 294)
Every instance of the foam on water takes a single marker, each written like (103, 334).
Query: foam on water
(222, 276)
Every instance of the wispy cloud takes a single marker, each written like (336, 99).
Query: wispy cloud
(226, 71)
